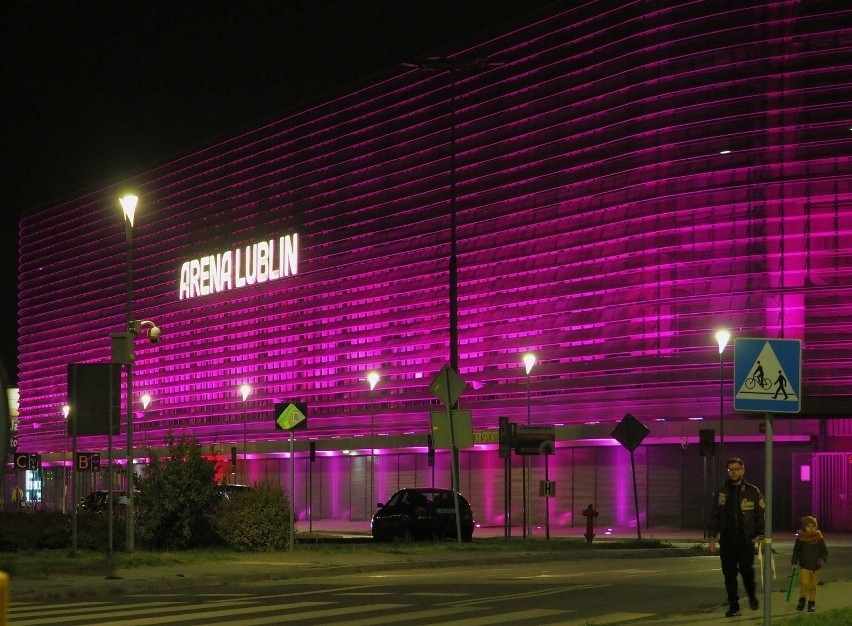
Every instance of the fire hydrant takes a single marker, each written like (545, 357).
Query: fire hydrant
(590, 514)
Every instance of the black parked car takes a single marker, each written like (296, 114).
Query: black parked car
(226, 492)
(421, 513)
(97, 501)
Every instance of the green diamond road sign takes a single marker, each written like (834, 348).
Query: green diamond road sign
(767, 375)
(447, 386)
(289, 415)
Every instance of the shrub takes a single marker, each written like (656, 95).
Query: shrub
(256, 520)
(34, 530)
(93, 531)
(176, 498)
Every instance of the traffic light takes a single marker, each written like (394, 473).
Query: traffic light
(505, 437)
(707, 442)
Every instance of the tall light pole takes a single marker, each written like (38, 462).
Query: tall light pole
(372, 379)
(453, 67)
(146, 400)
(66, 411)
(529, 362)
(722, 338)
(128, 206)
(245, 390)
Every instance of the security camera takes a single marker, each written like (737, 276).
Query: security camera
(154, 334)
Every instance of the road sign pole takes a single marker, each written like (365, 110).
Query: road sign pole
(73, 472)
(635, 497)
(453, 459)
(546, 499)
(767, 527)
(292, 488)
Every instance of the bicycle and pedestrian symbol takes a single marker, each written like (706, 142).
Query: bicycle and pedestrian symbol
(767, 375)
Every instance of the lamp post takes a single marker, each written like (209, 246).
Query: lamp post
(245, 390)
(372, 379)
(722, 338)
(128, 206)
(66, 411)
(529, 362)
(146, 400)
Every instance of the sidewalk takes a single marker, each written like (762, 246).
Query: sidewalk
(301, 563)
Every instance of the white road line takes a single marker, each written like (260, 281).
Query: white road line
(521, 595)
(411, 616)
(118, 614)
(503, 618)
(609, 618)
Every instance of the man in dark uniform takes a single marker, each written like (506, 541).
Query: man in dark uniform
(736, 516)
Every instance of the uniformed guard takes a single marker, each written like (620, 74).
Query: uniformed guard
(736, 517)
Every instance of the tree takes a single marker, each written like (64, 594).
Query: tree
(177, 496)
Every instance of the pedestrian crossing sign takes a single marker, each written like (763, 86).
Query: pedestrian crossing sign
(767, 375)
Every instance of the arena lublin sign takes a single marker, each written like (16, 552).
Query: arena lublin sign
(256, 263)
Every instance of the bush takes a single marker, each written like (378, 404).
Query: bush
(93, 531)
(176, 498)
(255, 520)
(34, 530)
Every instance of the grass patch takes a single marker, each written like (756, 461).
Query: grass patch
(48, 563)
(45, 563)
(834, 617)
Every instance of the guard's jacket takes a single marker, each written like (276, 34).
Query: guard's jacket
(737, 512)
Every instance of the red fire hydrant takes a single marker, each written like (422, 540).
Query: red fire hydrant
(590, 514)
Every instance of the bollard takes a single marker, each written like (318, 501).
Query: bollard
(4, 599)
(590, 514)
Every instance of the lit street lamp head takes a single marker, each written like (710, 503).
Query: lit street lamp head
(146, 400)
(66, 411)
(128, 205)
(722, 338)
(245, 390)
(529, 361)
(373, 379)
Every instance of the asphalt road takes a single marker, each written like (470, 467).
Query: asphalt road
(558, 592)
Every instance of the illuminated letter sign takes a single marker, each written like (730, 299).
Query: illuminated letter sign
(253, 264)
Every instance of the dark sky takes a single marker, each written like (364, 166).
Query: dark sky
(94, 92)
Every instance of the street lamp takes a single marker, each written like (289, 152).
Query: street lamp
(245, 390)
(529, 362)
(722, 338)
(146, 400)
(128, 206)
(372, 379)
(66, 411)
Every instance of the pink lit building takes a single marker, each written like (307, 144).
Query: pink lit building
(624, 181)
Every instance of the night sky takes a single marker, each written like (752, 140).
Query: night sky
(94, 92)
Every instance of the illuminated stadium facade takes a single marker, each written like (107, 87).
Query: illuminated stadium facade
(623, 181)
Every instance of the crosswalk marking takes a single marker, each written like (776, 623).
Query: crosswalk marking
(119, 614)
(522, 595)
(440, 594)
(609, 618)
(358, 594)
(69, 611)
(410, 616)
(503, 618)
(237, 609)
(321, 614)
